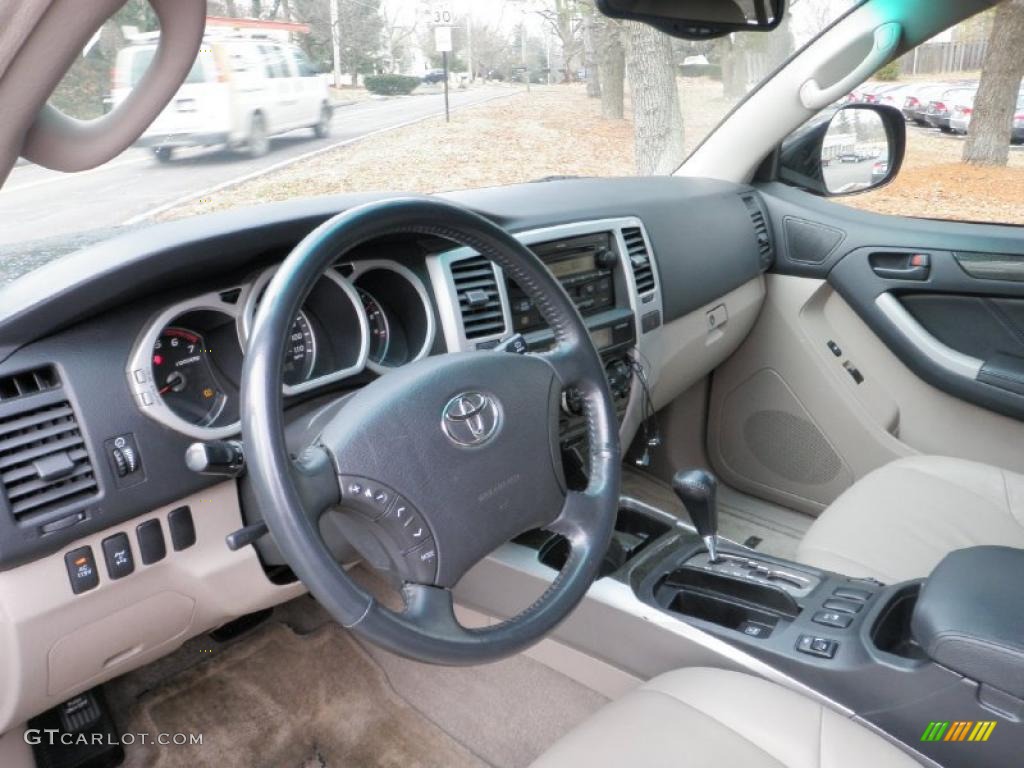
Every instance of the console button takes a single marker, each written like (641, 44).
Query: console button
(843, 606)
(118, 554)
(833, 619)
(817, 646)
(182, 528)
(850, 593)
(81, 570)
(753, 629)
(152, 548)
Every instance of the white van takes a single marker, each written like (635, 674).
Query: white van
(240, 92)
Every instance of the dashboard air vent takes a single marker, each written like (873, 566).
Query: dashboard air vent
(44, 464)
(639, 259)
(764, 238)
(28, 382)
(476, 286)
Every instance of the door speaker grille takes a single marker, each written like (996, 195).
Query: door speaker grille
(791, 447)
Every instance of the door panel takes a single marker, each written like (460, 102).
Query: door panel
(867, 361)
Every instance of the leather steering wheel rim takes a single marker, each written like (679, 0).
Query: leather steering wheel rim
(293, 493)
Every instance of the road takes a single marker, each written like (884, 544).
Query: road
(38, 203)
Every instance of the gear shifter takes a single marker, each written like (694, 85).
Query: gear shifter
(698, 490)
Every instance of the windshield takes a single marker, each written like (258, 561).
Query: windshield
(320, 97)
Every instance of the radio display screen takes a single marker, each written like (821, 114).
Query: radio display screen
(574, 266)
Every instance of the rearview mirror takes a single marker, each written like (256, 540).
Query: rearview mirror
(845, 151)
(699, 19)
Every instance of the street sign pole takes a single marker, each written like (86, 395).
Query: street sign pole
(443, 45)
(447, 111)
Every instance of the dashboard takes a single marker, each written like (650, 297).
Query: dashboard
(116, 359)
(141, 339)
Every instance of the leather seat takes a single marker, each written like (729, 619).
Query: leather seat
(899, 521)
(710, 718)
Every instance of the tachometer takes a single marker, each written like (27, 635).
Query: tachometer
(380, 331)
(300, 352)
(184, 377)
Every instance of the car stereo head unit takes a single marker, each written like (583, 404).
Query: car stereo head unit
(583, 265)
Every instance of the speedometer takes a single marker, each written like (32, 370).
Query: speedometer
(300, 352)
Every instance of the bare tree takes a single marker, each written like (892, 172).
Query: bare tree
(611, 62)
(396, 34)
(590, 53)
(565, 19)
(657, 119)
(988, 139)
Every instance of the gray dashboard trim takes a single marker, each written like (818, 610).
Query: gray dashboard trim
(694, 225)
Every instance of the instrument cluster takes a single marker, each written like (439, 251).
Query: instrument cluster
(185, 369)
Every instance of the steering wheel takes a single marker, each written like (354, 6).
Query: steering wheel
(439, 462)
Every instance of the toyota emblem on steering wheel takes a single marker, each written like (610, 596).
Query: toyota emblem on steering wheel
(471, 419)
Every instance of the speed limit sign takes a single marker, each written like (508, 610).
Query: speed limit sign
(441, 14)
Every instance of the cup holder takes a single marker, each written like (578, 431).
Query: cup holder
(634, 532)
(891, 632)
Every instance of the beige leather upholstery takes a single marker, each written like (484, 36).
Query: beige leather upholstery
(899, 521)
(711, 718)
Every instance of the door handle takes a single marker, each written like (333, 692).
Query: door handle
(905, 273)
(902, 266)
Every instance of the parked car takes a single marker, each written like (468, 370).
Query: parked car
(240, 92)
(960, 118)
(916, 101)
(960, 115)
(879, 171)
(893, 97)
(434, 76)
(1017, 136)
(939, 110)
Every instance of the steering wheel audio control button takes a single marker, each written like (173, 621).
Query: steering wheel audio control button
(421, 563)
(368, 497)
(405, 526)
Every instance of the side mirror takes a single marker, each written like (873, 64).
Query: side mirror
(845, 151)
(699, 19)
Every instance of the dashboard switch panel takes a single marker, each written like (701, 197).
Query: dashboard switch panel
(182, 528)
(152, 547)
(81, 570)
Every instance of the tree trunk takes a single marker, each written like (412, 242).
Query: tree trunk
(657, 119)
(590, 57)
(733, 56)
(611, 61)
(988, 140)
(232, 8)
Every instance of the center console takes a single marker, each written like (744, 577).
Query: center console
(912, 659)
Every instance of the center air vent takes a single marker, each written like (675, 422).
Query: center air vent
(764, 238)
(639, 259)
(476, 286)
(44, 464)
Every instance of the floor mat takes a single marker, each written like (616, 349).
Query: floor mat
(507, 713)
(776, 530)
(283, 699)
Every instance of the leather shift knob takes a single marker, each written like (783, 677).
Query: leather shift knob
(698, 490)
